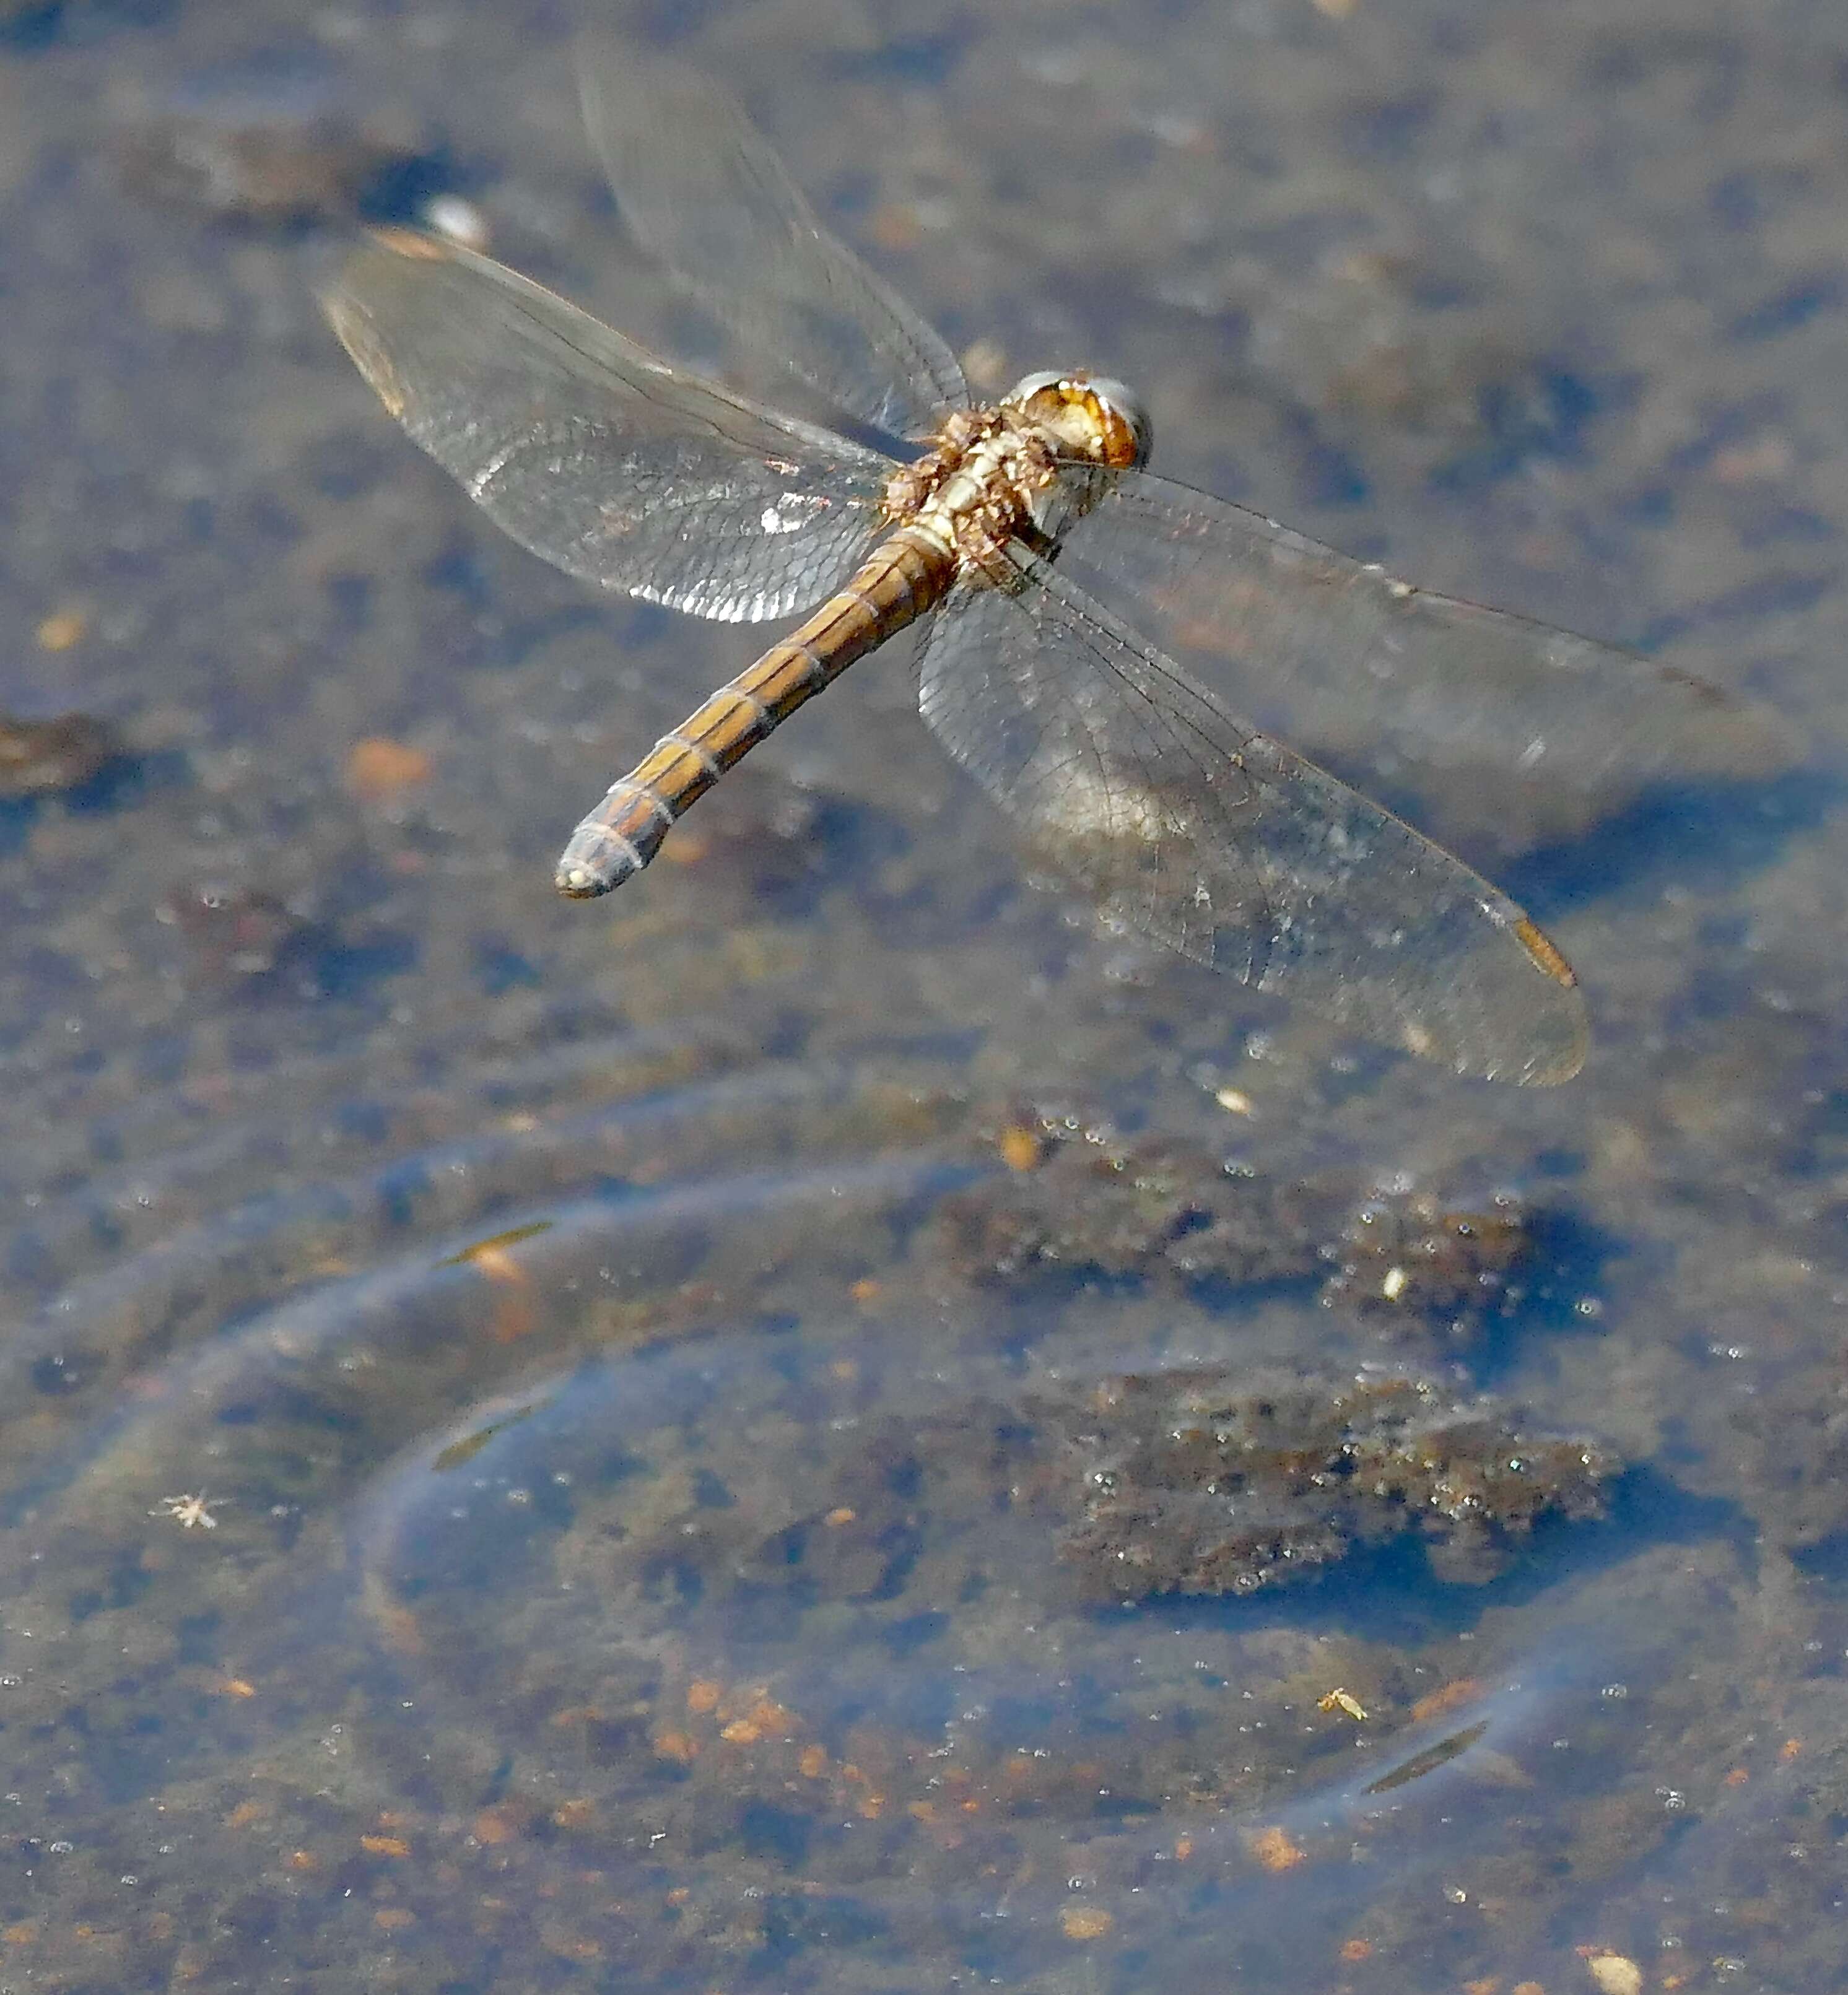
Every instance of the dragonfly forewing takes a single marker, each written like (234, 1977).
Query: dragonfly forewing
(1381, 675)
(601, 460)
(699, 188)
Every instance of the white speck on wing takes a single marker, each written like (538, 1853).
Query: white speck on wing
(792, 512)
(479, 483)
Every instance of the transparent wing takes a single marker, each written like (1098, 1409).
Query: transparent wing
(1226, 846)
(593, 453)
(1387, 680)
(702, 190)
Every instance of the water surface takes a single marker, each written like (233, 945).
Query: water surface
(639, 1383)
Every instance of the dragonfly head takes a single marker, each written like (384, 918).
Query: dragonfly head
(1096, 418)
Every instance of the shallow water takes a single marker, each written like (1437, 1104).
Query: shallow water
(640, 1553)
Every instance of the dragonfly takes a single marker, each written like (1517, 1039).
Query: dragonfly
(1013, 532)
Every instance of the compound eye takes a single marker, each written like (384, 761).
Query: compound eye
(1126, 422)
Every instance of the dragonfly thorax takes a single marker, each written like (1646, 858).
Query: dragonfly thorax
(1027, 465)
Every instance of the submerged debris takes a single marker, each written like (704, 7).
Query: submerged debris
(63, 753)
(1411, 1256)
(256, 161)
(1204, 1481)
(1081, 1204)
(1152, 1207)
(232, 931)
(1208, 1482)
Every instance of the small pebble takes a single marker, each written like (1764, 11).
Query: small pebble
(1615, 1974)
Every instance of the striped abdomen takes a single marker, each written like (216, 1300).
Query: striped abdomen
(903, 576)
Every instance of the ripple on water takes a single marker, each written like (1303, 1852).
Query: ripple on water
(585, 1517)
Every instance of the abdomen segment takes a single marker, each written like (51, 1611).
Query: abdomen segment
(902, 578)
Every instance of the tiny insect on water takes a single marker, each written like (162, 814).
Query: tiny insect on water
(998, 528)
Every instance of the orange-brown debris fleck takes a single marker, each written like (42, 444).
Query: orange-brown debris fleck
(1184, 1849)
(1489, 1984)
(1614, 1974)
(1737, 1777)
(377, 768)
(1765, 457)
(763, 1720)
(1790, 1748)
(872, 1806)
(1275, 1851)
(865, 1291)
(844, 1515)
(1020, 1149)
(1464, 1690)
(1085, 1921)
(62, 629)
(686, 848)
(895, 225)
(703, 1694)
(393, 1918)
(22, 1935)
(573, 1814)
(384, 1846)
(814, 1762)
(1356, 1949)
(235, 1687)
(498, 1823)
(1527, 1988)
(495, 1262)
(678, 1746)
(244, 1813)
(304, 1859)
(514, 1317)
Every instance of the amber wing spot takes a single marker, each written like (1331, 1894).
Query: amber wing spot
(353, 325)
(353, 333)
(1544, 954)
(407, 242)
